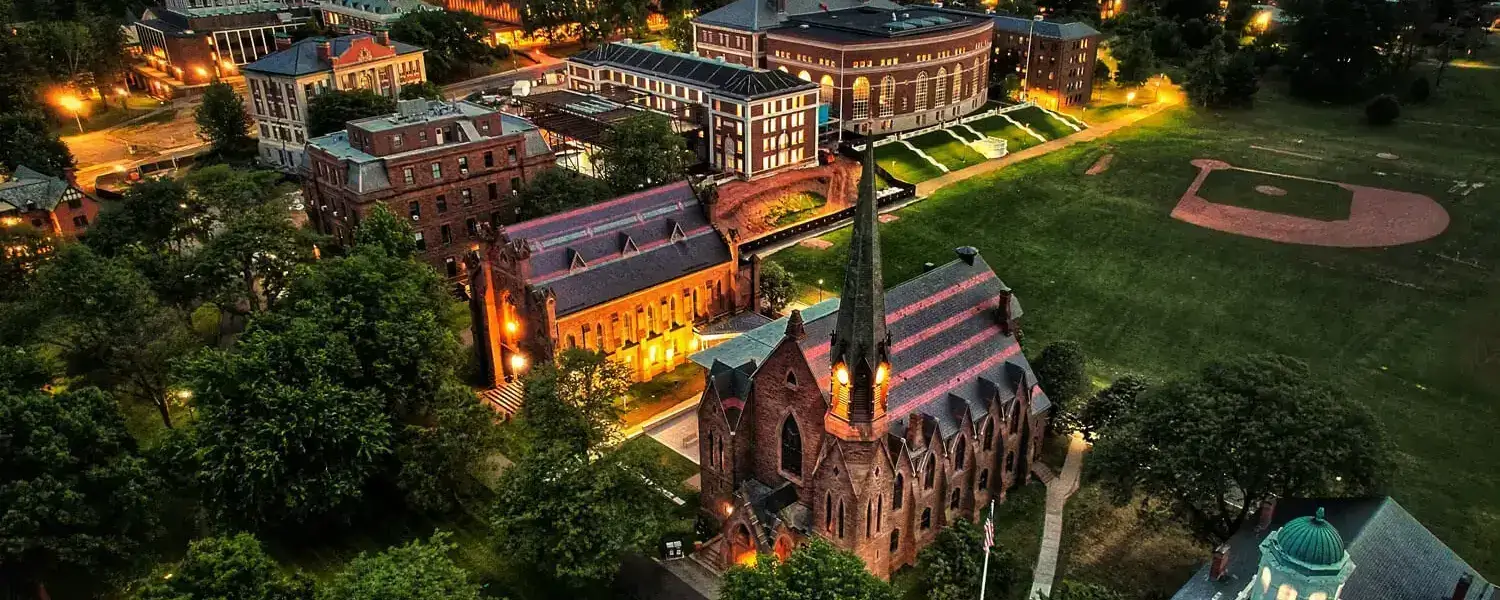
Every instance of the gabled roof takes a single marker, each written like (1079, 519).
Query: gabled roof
(28, 190)
(760, 15)
(1394, 556)
(1058, 30)
(944, 341)
(725, 78)
(595, 234)
(302, 58)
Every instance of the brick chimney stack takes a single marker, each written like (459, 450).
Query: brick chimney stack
(383, 36)
(1004, 313)
(283, 41)
(325, 49)
(1461, 589)
(1219, 567)
(794, 326)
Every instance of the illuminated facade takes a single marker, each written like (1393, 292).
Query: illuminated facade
(55, 206)
(187, 44)
(873, 420)
(1060, 72)
(630, 277)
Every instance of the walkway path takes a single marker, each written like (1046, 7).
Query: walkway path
(1058, 491)
(1095, 132)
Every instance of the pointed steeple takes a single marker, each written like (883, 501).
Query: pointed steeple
(860, 351)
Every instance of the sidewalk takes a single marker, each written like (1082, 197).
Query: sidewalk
(1058, 492)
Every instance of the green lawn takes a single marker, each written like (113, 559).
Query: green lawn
(1015, 137)
(1302, 198)
(946, 149)
(1119, 548)
(904, 164)
(1409, 330)
(1041, 122)
(964, 133)
(794, 208)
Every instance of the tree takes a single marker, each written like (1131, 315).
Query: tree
(222, 192)
(776, 286)
(680, 32)
(155, 216)
(331, 110)
(78, 498)
(248, 263)
(1339, 49)
(1205, 81)
(1109, 404)
(415, 571)
(223, 121)
(1240, 79)
(228, 568)
(557, 190)
(1137, 61)
(1218, 444)
(816, 570)
(642, 151)
(1061, 371)
(279, 440)
(1102, 73)
(26, 248)
(421, 90)
(573, 504)
(26, 140)
(1075, 590)
(1383, 110)
(454, 39)
(951, 566)
(24, 369)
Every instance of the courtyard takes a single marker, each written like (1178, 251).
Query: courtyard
(1410, 329)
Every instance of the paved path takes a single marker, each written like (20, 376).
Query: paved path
(926, 188)
(1058, 491)
(544, 63)
(676, 428)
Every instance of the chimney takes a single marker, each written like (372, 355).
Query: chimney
(1264, 515)
(914, 430)
(967, 254)
(794, 327)
(1007, 317)
(1461, 589)
(383, 35)
(325, 49)
(283, 41)
(1220, 565)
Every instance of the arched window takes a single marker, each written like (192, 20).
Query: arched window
(828, 512)
(989, 434)
(861, 99)
(984, 479)
(887, 96)
(927, 518)
(958, 82)
(791, 447)
(713, 459)
(825, 89)
(791, 378)
(1010, 461)
(974, 82)
(721, 453)
(953, 499)
(921, 91)
(841, 518)
(1286, 592)
(958, 455)
(805, 76)
(895, 540)
(898, 493)
(869, 518)
(782, 68)
(940, 96)
(931, 474)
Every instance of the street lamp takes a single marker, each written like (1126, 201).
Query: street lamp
(820, 288)
(72, 104)
(1026, 70)
(1129, 98)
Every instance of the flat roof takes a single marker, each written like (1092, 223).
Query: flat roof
(870, 21)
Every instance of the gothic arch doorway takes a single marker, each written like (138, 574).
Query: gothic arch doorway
(783, 548)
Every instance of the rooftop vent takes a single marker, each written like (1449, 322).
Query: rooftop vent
(411, 108)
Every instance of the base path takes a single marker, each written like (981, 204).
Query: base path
(1095, 132)
(1058, 492)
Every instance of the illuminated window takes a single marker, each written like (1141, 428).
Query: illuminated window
(957, 81)
(1286, 592)
(861, 98)
(940, 96)
(887, 96)
(921, 91)
(1265, 579)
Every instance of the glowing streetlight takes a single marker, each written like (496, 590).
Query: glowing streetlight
(820, 290)
(1129, 98)
(1263, 20)
(72, 104)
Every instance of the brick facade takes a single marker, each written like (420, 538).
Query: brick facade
(1061, 70)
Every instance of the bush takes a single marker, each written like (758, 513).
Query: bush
(1421, 90)
(1383, 110)
(1060, 371)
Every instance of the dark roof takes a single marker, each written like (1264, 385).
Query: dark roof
(1061, 30)
(738, 323)
(595, 254)
(1394, 556)
(947, 351)
(302, 58)
(759, 15)
(28, 190)
(854, 24)
(721, 77)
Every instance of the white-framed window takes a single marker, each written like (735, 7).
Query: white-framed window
(887, 96)
(861, 98)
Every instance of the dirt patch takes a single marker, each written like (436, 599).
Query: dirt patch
(887, 218)
(815, 244)
(1270, 190)
(1100, 165)
(1377, 217)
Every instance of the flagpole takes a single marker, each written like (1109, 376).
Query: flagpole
(989, 540)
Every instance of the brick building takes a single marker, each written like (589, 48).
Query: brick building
(1061, 69)
(51, 205)
(757, 122)
(283, 83)
(448, 167)
(186, 44)
(873, 420)
(631, 277)
(879, 66)
(365, 16)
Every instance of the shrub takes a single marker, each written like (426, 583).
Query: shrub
(1060, 371)
(1383, 110)
(1421, 90)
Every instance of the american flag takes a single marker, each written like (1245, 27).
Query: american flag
(989, 531)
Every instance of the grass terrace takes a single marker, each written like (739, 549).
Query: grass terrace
(904, 164)
(1015, 137)
(946, 149)
(1041, 122)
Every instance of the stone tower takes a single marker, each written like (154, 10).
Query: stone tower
(859, 354)
(1304, 560)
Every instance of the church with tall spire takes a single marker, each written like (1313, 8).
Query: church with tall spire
(871, 420)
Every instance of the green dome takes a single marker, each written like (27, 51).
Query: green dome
(1311, 540)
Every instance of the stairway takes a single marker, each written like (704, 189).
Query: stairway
(504, 398)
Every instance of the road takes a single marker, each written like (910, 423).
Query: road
(545, 64)
(152, 138)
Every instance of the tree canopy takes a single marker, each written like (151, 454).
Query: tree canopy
(1108, 404)
(27, 141)
(1217, 444)
(816, 570)
(454, 39)
(557, 190)
(951, 566)
(776, 286)
(415, 571)
(223, 121)
(329, 111)
(1061, 370)
(1339, 50)
(224, 568)
(642, 151)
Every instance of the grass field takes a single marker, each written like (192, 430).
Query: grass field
(1303, 198)
(1015, 137)
(904, 164)
(1410, 330)
(1041, 122)
(946, 149)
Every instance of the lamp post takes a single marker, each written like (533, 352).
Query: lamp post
(1026, 72)
(72, 104)
(820, 288)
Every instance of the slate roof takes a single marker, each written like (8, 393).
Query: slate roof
(1061, 30)
(725, 78)
(302, 58)
(947, 352)
(597, 253)
(1394, 556)
(760, 15)
(28, 190)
